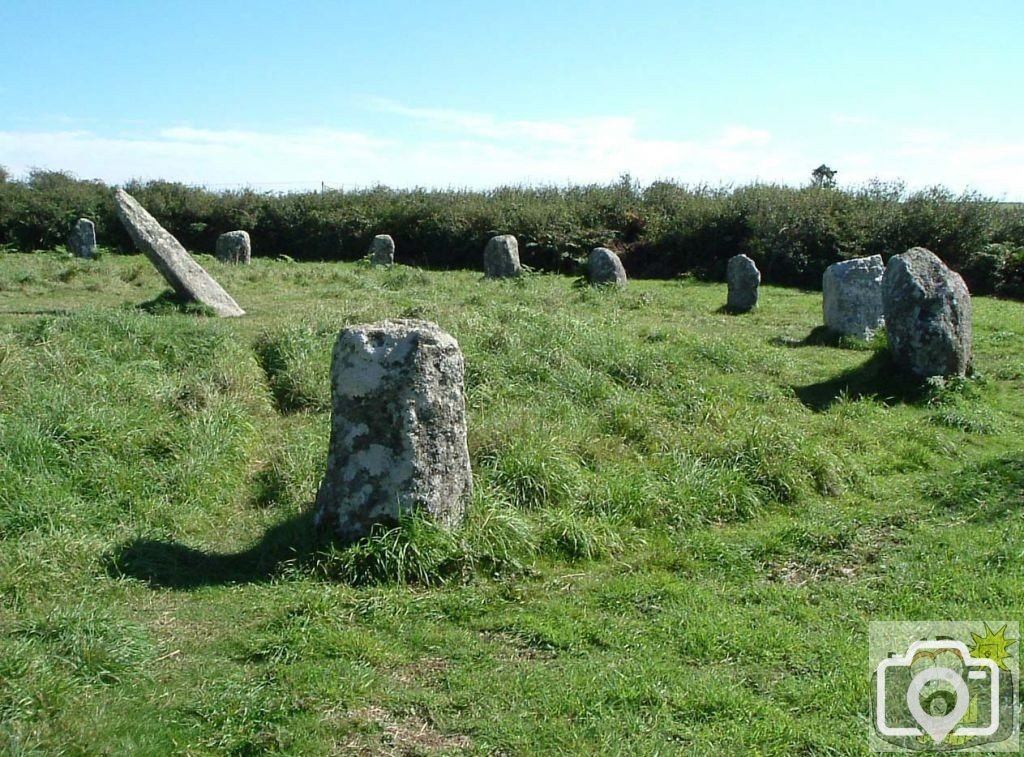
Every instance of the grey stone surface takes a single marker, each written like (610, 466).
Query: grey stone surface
(851, 296)
(744, 280)
(927, 315)
(382, 250)
(82, 240)
(398, 429)
(604, 267)
(501, 257)
(234, 247)
(185, 275)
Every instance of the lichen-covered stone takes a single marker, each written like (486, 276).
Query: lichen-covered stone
(744, 281)
(82, 240)
(927, 315)
(382, 250)
(234, 247)
(501, 257)
(398, 429)
(182, 272)
(851, 293)
(604, 267)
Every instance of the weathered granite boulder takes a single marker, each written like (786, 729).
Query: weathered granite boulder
(851, 293)
(185, 275)
(398, 429)
(234, 247)
(604, 267)
(501, 257)
(82, 240)
(927, 314)
(744, 280)
(382, 250)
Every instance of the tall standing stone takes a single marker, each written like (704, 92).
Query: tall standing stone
(398, 429)
(82, 240)
(604, 267)
(501, 257)
(182, 272)
(382, 250)
(744, 280)
(851, 293)
(927, 315)
(234, 247)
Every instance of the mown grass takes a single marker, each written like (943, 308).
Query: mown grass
(683, 520)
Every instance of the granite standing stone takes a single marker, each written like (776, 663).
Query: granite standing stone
(234, 247)
(927, 315)
(82, 240)
(744, 281)
(382, 250)
(398, 429)
(851, 293)
(185, 275)
(501, 257)
(604, 267)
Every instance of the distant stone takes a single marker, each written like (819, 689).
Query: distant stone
(185, 275)
(604, 267)
(234, 247)
(398, 429)
(501, 257)
(744, 281)
(382, 250)
(927, 315)
(82, 240)
(851, 292)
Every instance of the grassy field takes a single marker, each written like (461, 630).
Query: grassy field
(683, 520)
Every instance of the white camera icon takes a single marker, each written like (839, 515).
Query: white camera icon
(940, 725)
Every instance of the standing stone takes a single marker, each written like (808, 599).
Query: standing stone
(185, 275)
(744, 280)
(234, 247)
(398, 429)
(82, 240)
(604, 267)
(851, 292)
(501, 257)
(927, 314)
(382, 250)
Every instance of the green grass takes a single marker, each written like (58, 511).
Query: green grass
(683, 520)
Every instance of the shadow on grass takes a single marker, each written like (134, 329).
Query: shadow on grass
(164, 564)
(170, 302)
(877, 378)
(726, 310)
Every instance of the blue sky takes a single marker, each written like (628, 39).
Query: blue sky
(287, 95)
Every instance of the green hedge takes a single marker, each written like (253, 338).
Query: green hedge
(662, 230)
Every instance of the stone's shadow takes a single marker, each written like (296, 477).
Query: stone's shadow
(170, 302)
(820, 336)
(726, 310)
(167, 564)
(878, 378)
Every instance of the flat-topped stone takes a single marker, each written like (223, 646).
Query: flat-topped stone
(501, 257)
(82, 240)
(851, 296)
(234, 247)
(605, 267)
(182, 272)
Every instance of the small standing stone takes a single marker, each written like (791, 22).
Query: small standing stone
(234, 247)
(744, 280)
(382, 250)
(398, 429)
(604, 267)
(851, 292)
(927, 315)
(82, 240)
(501, 257)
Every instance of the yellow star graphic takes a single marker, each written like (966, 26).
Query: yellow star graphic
(993, 646)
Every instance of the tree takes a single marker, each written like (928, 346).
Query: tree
(823, 177)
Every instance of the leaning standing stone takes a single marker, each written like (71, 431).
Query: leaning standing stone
(185, 275)
(234, 247)
(501, 257)
(851, 293)
(927, 314)
(604, 267)
(398, 429)
(382, 250)
(82, 240)
(744, 280)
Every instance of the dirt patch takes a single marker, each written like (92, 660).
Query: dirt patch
(377, 731)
